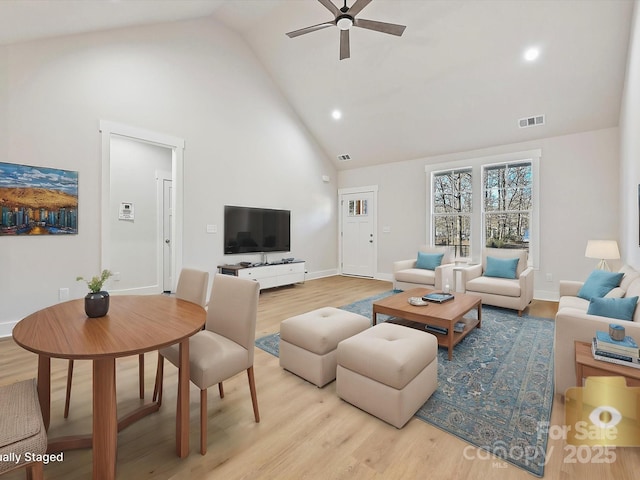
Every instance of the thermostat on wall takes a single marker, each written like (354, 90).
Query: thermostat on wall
(126, 211)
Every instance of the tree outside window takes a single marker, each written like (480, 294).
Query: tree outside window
(452, 207)
(507, 205)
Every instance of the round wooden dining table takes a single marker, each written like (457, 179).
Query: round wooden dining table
(134, 325)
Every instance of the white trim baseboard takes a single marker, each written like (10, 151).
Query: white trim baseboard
(321, 274)
(7, 327)
(387, 277)
(547, 295)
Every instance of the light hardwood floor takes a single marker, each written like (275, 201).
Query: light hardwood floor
(305, 432)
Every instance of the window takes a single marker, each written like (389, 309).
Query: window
(358, 208)
(452, 208)
(507, 203)
(490, 201)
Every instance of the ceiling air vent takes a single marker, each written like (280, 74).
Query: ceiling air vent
(531, 121)
(344, 157)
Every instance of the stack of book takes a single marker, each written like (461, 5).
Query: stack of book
(438, 297)
(458, 328)
(436, 329)
(622, 352)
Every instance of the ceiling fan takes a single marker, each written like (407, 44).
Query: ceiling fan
(345, 18)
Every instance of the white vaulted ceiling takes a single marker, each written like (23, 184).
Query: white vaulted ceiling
(455, 81)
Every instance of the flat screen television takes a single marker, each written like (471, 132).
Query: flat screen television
(248, 229)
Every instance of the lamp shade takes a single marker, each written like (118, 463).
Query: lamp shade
(602, 249)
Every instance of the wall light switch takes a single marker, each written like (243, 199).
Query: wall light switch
(63, 294)
(212, 229)
(386, 229)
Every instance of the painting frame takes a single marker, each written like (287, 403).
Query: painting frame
(37, 200)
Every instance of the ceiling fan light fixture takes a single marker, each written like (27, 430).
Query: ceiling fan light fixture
(346, 17)
(344, 22)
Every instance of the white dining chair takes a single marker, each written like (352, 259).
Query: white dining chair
(226, 346)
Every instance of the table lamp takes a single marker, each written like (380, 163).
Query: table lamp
(603, 250)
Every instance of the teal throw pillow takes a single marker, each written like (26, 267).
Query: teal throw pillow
(501, 267)
(620, 308)
(599, 283)
(429, 261)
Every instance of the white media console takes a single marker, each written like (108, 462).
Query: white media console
(269, 275)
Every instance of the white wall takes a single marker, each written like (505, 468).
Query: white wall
(630, 150)
(3, 110)
(579, 200)
(194, 80)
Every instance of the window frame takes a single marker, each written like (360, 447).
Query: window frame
(457, 162)
(497, 166)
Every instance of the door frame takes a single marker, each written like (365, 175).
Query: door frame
(161, 178)
(348, 191)
(107, 130)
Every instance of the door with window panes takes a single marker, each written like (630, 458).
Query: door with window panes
(358, 248)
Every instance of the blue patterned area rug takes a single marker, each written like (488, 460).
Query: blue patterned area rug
(497, 392)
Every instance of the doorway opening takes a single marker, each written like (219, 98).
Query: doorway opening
(142, 203)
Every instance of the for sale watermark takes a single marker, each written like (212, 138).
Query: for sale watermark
(535, 455)
(528, 455)
(599, 417)
(603, 413)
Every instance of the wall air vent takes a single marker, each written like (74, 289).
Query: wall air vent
(344, 157)
(531, 121)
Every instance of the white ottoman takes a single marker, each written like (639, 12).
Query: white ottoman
(308, 342)
(388, 371)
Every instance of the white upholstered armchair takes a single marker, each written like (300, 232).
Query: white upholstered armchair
(407, 274)
(503, 279)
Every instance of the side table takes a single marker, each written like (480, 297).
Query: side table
(458, 269)
(587, 366)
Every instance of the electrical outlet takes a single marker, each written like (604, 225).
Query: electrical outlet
(549, 277)
(63, 294)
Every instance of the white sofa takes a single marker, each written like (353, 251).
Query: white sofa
(573, 323)
(406, 276)
(514, 293)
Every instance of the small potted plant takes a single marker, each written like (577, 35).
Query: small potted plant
(96, 302)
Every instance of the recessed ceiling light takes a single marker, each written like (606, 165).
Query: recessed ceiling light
(336, 114)
(531, 54)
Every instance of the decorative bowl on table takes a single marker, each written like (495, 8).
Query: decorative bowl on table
(417, 301)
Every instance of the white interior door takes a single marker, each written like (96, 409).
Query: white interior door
(358, 244)
(167, 278)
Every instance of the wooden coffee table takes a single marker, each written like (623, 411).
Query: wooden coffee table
(443, 315)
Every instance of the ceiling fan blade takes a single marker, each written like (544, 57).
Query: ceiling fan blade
(331, 7)
(344, 44)
(357, 7)
(383, 27)
(313, 28)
